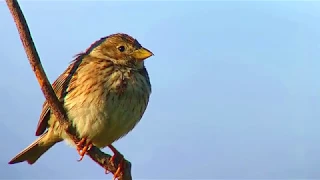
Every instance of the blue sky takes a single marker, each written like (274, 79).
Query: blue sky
(236, 90)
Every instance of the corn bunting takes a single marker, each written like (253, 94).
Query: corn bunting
(105, 92)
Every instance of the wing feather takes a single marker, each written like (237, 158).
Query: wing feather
(61, 87)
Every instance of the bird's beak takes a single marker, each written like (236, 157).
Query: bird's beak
(141, 54)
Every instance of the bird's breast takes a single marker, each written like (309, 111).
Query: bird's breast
(126, 100)
(113, 110)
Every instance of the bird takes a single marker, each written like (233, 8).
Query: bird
(105, 91)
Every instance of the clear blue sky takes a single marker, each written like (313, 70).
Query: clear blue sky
(236, 90)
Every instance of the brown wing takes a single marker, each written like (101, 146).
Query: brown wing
(61, 88)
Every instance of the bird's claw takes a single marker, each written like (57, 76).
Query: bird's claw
(119, 170)
(83, 147)
(121, 166)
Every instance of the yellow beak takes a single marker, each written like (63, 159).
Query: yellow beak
(141, 54)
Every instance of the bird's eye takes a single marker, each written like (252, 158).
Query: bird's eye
(121, 48)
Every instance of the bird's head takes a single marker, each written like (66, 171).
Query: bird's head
(121, 49)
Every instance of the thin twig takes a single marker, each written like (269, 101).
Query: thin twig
(55, 106)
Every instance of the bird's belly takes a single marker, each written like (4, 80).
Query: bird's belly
(122, 118)
(106, 121)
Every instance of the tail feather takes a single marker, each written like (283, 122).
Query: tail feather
(33, 152)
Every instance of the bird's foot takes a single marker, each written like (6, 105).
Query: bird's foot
(117, 156)
(83, 146)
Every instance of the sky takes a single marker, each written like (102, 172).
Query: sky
(236, 92)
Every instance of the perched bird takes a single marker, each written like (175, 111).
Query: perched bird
(105, 92)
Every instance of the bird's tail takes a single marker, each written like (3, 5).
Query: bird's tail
(33, 152)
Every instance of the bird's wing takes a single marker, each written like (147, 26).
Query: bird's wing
(61, 87)
(145, 74)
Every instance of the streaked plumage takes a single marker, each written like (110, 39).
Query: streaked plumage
(105, 92)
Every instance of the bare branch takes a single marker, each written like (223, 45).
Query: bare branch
(56, 107)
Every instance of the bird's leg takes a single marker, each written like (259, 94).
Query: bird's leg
(83, 146)
(121, 165)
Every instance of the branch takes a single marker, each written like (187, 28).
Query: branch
(55, 106)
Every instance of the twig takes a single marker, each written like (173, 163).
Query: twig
(55, 106)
